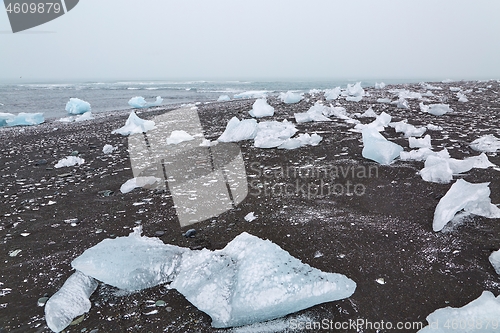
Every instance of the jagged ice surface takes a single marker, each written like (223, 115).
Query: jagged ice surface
(77, 106)
(135, 125)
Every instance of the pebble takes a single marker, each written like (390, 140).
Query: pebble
(74, 153)
(168, 308)
(41, 162)
(160, 303)
(42, 301)
(159, 233)
(62, 175)
(190, 233)
(14, 253)
(72, 221)
(106, 193)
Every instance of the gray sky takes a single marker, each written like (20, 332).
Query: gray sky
(257, 39)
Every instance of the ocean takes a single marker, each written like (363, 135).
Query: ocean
(51, 98)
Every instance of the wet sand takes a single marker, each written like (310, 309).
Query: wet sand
(384, 233)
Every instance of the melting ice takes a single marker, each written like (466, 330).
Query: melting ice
(135, 125)
(139, 102)
(377, 148)
(22, 119)
(77, 106)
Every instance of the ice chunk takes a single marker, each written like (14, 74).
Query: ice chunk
(290, 97)
(455, 89)
(401, 103)
(377, 148)
(145, 182)
(253, 280)
(380, 85)
(436, 170)
(354, 90)
(223, 98)
(462, 98)
(84, 117)
(139, 102)
(261, 109)
(473, 198)
(337, 111)
(425, 142)
(71, 301)
(271, 134)
(429, 86)
(22, 119)
(77, 106)
(237, 130)
(488, 144)
(252, 94)
(250, 217)
(408, 129)
(206, 143)
(135, 125)
(422, 154)
(379, 123)
(368, 114)
(481, 314)
(384, 100)
(301, 141)
(332, 94)
(432, 127)
(315, 113)
(177, 137)
(406, 94)
(354, 98)
(108, 149)
(132, 262)
(250, 280)
(69, 161)
(435, 109)
(428, 93)
(495, 261)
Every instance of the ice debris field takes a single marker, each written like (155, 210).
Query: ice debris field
(253, 280)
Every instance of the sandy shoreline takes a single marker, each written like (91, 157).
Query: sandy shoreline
(385, 233)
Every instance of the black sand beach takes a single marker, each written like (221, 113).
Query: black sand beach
(385, 233)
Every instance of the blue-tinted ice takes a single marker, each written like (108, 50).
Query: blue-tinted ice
(22, 119)
(377, 148)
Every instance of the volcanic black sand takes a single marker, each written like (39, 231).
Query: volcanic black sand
(385, 233)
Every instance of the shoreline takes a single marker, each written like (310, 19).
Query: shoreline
(384, 234)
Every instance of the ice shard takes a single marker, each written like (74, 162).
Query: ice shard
(377, 148)
(135, 125)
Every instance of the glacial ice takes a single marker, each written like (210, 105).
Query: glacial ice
(250, 280)
(332, 94)
(301, 141)
(401, 103)
(139, 102)
(494, 259)
(260, 109)
(408, 129)
(223, 98)
(77, 106)
(440, 169)
(472, 198)
(368, 114)
(429, 86)
(69, 302)
(487, 144)
(384, 100)
(377, 148)
(432, 127)
(239, 130)
(354, 98)
(354, 90)
(380, 85)
(108, 149)
(424, 142)
(484, 312)
(422, 154)
(22, 119)
(271, 134)
(77, 118)
(290, 97)
(462, 98)
(135, 125)
(145, 182)
(406, 94)
(178, 136)
(315, 113)
(69, 162)
(252, 94)
(379, 123)
(435, 109)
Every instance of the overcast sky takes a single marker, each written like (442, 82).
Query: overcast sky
(257, 39)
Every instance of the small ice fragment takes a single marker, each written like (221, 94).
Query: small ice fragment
(354, 90)
(368, 114)
(108, 149)
(205, 143)
(25, 234)
(290, 97)
(237, 130)
(315, 113)
(494, 259)
(271, 134)
(70, 301)
(261, 109)
(432, 127)
(332, 94)
(14, 253)
(223, 98)
(135, 125)
(177, 137)
(384, 100)
(252, 94)
(145, 182)
(77, 106)
(378, 124)
(377, 148)
(422, 154)
(318, 254)
(69, 161)
(487, 144)
(424, 142)
(481, 311)
(250, 217)
(462, 98)
(139, 102)
(380, 281)
(402, 104)
(472, 198)
(408, 129)
(435, 109)
(380, 85)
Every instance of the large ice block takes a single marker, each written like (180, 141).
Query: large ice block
(22, 119)
(379, 123)
(271, 134)
(315, 113)
(377, 148)
(139, 102)
(487, 144)
(237, 130)
(495, 260)
(135, 125)
(77, 106)
(70, 301)
(472, 198)
(260, 109)
(290, 97)
(480, 315)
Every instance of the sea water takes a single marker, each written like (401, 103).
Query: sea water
(51, 97)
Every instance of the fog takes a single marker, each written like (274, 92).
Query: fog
(267, 40)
